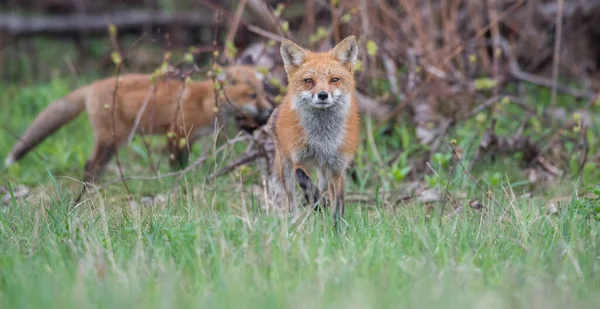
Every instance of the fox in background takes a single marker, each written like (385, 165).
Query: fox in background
(317, 124)
(182, 111)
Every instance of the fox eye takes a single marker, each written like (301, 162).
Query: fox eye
(252, 96)
(335, 80)
(308, 81)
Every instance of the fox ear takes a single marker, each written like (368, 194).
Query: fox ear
(292, 55)
(346, 51)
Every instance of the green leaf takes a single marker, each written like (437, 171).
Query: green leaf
(372, 48)
(495, 179)
(230, 50)
(485, 83)
(116, 58)
(285, 26)
(346, 18)
(188, 57)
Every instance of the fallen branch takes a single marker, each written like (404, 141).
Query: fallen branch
(16, 25)
(249, 157)
(518, 73)
(493, 144)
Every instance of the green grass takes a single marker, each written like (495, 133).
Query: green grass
(216, 247)
(196, 253)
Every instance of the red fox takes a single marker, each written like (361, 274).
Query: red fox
(317, 124)
(182, 111)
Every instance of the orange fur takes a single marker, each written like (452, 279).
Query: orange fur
(321, 89)
(181, 111)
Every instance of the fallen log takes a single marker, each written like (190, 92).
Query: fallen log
(17, 25)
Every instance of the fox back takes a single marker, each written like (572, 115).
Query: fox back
(118, 105)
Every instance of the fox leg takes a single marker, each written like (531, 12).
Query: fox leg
(289, 183)
(110, 134)
(336, 195)
(102, 154)
(352, 172)
(310, 190)
(323, 184)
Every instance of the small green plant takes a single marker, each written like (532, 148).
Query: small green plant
(402, 168)
(441, 164)
(589, 207)
(495, 180)
(590, 173)
(437, 181)
(443, 159)
(432, 180)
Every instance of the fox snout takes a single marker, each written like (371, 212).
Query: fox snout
(322, 99)
(249, 123)
(322, 96)
(263, 116)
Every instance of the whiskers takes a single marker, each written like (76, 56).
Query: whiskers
(336, 101)
(301, 102)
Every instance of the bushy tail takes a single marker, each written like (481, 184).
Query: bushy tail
(56, 115)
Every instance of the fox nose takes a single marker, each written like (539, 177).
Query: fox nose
(322, 95)
(263, 116)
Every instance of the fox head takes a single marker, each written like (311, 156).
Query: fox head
(320, 80)
(243, 87)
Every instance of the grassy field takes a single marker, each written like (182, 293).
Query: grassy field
(216, 247)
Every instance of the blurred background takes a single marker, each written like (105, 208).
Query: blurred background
(514, 82)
